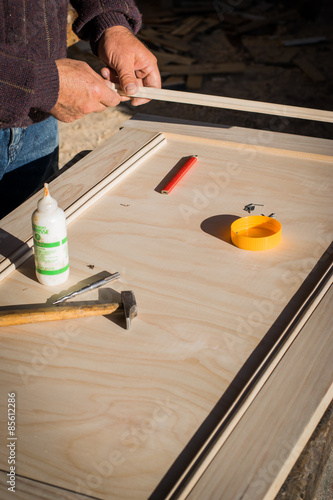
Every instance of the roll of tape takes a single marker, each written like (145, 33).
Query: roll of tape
(256, 232)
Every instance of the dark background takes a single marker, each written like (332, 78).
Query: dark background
(299, 75)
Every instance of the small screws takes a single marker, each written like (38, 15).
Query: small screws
(270, 215)
(251, 206)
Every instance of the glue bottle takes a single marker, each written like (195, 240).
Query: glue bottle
(50, 241)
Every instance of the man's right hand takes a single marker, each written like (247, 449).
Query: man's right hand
(81, 91)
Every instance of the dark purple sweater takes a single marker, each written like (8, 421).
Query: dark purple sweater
(33, 35)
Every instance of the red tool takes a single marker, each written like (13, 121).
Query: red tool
(176, 178)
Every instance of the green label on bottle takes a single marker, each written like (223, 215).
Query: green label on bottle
(51, 258)
(40, 229)
(50, 245)
(52, 273)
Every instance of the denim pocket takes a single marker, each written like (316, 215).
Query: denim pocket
(32, 143)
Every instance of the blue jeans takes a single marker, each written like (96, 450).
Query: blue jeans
(28, 158)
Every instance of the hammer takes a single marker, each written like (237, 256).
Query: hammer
(55, 313)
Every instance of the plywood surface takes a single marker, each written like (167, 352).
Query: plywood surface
(106, 412)
(248, 139)
(27, 489)
(264, 460)
(69, 188)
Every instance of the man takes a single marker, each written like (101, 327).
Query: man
(39, 85)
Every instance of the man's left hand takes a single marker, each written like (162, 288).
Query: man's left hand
(128, 61)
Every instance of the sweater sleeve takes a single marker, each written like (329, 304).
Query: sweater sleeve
(25, 83)
(95, 16)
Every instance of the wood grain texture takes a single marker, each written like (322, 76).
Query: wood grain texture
(249, 140)
(255, 384)
(26, 489)
(54, 313)
(253, 463)
(106, 412)
(76, 191)
(231, 103)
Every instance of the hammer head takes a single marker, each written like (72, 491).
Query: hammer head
(129, 305)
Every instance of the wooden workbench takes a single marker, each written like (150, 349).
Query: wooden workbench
(226, 371)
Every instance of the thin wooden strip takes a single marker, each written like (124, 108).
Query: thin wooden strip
(207, 24)
(309, 69)
(17, 255)
(258, 148)
(166, 57)
(151, 35)
(87, 200)
(218, 437)
(13, 261)
(30, 489)
(187, 26)
(194, 82)
(238, 137)
(232, 103)
(69, 186)
(269, 451)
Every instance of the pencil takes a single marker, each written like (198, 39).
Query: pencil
(181, 172)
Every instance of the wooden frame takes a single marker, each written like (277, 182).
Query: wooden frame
(77, 201)
(181, 337)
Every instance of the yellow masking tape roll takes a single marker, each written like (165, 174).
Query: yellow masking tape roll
(256, 232)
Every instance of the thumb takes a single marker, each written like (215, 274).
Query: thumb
(127, 80)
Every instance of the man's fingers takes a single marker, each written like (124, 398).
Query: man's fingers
(150, 77)
(106, 73)
(81, 91)
(127, 79)
(124, 80)
(111, 86)
(108, 97)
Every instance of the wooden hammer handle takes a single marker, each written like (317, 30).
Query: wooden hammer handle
(54, 313)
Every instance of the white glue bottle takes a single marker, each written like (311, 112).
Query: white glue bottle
(50, 241)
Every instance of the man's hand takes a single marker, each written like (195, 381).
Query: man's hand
(81, 91)
(128, 61)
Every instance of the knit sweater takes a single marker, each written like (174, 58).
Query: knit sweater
(33, 36)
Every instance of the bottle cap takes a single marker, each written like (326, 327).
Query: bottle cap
(256, 232)
(47, 203)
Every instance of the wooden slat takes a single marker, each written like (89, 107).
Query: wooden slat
(166, 57)
(194, 82)
(188, 25)
(73, 196)
(259, 454)
(232, 103)
(227, 425)
(27, 489)
(161, 40)
(309, 69)
(249, 140)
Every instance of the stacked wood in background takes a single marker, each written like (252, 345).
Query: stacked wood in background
(170, 37)
(265, 51)
(249, 49)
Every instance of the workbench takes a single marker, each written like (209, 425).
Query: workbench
(226, 371)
